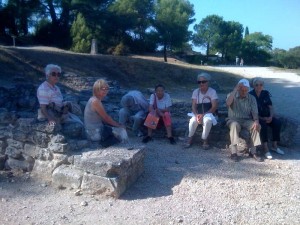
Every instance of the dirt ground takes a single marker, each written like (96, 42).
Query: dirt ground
(179, 186)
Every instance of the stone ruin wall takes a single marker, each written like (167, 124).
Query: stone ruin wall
(62, 155)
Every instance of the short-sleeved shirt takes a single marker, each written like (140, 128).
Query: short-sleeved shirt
(163, 103)
(198, 96)
(47, 94)
(243, 108)
(263, 102)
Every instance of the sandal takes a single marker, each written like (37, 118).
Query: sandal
(187, 145)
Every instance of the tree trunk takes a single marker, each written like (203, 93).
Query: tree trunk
(165, 53)
(207, 51)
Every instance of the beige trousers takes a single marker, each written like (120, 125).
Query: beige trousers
(235, 127)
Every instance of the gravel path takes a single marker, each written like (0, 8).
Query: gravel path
(179, 186)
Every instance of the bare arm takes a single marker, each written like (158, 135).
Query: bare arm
(45, 113)
(230, 98)
(106, 118)
(194, 107)
(214, 106)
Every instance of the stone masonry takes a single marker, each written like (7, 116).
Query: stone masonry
(63, 156)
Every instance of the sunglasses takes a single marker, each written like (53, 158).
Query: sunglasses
(104, 89)
(256, 85)
(54, 74)
(202, 81)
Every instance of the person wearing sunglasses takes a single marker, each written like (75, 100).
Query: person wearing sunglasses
(266, 117)
(242, 113)
(99, 126)
(52, 106)
(204, 106)
(49, 94)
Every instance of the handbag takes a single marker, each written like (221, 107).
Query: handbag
(152, 119)
(203, 107)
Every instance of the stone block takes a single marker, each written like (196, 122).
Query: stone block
(15, 144)
(40, 139)
(25, 124)
(59, 147)
(105, 186)
(78, 145)
(44, 169)
(13, 152)
(24, 164)
(45, 154)
(67, 176)
(72, 130)
(20, 136)
(58, 138)
(2, 161)
(110, 171)
(109, 162)
(2, 147)
(45, 127)
(32, 150)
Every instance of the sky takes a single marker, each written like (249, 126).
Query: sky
(277, 18)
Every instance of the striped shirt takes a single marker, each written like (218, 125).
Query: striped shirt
(243, 108)
(47, 93)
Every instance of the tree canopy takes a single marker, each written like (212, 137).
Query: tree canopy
(134, 26)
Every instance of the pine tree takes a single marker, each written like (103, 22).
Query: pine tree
(81, 35)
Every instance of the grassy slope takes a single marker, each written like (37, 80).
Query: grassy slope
(134, 72)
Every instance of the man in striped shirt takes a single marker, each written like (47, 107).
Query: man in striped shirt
(243, 113)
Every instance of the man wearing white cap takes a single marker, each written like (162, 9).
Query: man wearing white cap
(243, 113)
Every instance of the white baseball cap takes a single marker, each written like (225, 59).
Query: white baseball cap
(245, 82)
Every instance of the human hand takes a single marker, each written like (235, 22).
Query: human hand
(159, 113)
(237, 87)
(52, 122)
(199, 118)
(256, 126)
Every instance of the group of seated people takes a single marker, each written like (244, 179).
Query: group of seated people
(251, 110)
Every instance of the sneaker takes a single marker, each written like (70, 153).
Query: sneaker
(147, 139)
(268, 155)
(172, 140)
(234, 157)
(278, 150)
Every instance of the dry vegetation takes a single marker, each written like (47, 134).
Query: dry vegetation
(134, 72)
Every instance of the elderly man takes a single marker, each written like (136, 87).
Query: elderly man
(204, 105)
(243, 113)
(52, 107)
(134, 105)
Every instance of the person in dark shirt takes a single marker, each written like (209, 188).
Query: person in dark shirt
(266, 117)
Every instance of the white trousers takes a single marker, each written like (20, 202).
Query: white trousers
(207, 124)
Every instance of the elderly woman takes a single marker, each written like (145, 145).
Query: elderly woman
(98, 124)
(134, 105)
(160, 104)
(52, 107)
(204, 105)
(266, 117)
